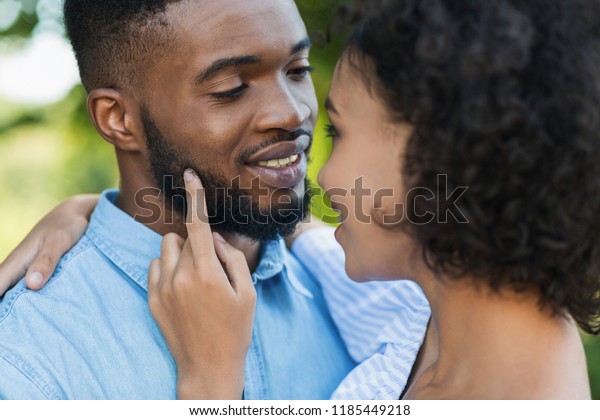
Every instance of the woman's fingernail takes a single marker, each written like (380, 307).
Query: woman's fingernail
(35, 279)
(189, 175)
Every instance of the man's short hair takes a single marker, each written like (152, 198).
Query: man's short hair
(114, 40)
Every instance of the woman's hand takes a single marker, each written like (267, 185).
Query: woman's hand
(202, 297)
(38, 254)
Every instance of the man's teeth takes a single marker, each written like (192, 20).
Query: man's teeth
(279, 163)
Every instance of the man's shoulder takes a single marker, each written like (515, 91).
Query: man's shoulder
(35, 322)
(72, 273)
(82, 336)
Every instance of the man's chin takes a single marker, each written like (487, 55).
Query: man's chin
(261, 233)
(262, 226)
(244, 215)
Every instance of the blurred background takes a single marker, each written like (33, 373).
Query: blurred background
(48, 147)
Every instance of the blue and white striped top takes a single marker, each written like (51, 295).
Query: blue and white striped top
(382, 323)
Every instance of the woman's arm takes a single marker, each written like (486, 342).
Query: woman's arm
(38, 254)
(201, 295)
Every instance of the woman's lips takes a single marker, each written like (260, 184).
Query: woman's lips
(282, 174)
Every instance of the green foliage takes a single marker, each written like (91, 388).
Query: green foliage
(318, 16)
(48, 153)
(592, 350)
(23, 26)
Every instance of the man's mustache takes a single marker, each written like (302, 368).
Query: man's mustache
(286, 136)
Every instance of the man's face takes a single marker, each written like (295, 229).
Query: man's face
(235, 101)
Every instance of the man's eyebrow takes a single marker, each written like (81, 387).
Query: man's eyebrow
(302, 45)
(222, 64)
(329, 106)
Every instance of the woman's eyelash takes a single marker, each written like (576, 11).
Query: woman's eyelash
(230, 93)
(331, 131)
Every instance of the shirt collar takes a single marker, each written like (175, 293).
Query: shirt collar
(272, 256)
(272, 263)
(131, 246)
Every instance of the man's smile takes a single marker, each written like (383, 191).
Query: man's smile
(281, 165)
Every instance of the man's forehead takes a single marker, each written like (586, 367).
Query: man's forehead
(222, 23)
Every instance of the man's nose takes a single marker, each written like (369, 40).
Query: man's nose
(282, 109)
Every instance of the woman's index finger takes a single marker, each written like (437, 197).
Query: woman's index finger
(198, 228)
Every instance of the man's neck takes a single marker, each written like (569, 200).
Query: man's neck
(151, 211)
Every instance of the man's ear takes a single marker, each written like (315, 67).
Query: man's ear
(117, 119)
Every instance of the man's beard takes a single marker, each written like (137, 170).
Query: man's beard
(230, 209)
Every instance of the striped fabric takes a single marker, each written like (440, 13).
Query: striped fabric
(382, 323)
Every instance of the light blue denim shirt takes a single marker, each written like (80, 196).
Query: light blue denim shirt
(89, 333)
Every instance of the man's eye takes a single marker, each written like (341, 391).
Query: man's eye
(302, 72)
(230, 94)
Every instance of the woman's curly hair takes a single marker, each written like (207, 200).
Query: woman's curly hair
(504, 96)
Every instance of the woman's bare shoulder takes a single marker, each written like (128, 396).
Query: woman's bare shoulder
(547, 364)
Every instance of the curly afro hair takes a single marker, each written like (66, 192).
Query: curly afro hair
(114, 40)
(504, 97)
